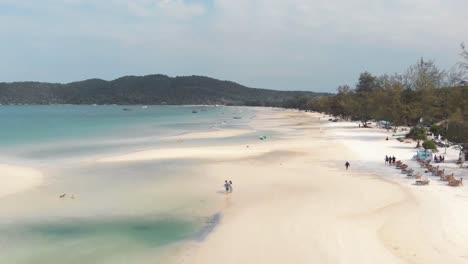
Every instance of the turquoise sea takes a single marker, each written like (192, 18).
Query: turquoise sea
(40, 132)
(113, 213)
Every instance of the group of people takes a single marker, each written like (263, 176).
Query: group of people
(389, 159)
(439, 159)
(228, 186)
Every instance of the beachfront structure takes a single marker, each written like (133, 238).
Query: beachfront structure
(424, 154)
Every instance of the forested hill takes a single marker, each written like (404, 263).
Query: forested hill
(150, 89)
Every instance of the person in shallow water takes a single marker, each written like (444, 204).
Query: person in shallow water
(347, 165)
(226, 186)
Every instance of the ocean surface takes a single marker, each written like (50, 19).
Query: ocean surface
(36, 133)
(113, 213)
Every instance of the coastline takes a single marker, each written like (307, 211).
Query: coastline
(287, 213)
(293, 201)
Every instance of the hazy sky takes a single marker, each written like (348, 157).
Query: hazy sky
(279, 44)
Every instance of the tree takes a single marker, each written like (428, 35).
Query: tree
(423, 75)
(344, 101)
(418, 134)
(362, 107)
(429, 144)
(458, 127)
(463, 65)
(366, 84)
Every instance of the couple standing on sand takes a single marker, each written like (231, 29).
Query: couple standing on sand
(389, 159)
(228, 186)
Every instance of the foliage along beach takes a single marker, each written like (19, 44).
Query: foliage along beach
(424, 95)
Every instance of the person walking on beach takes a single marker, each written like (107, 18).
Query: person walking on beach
(347, 165)
(226, 185)
(230, 186)
(386, 159)
(393, 159)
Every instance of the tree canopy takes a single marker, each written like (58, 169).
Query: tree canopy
(423, 92)
(150, 89)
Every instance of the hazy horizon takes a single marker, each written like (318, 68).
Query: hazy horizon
(296, 45)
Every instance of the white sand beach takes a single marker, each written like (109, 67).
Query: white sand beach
(298, 204)
(224, 152)
(441, 208)
(16, 179)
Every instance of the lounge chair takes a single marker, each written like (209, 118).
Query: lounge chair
(401, 165)
(440, 172)
(407, 171)
(454, 182)
(447, 177)
(422, 182)
(413, 175)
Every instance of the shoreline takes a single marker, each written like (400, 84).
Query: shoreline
(390, 218)
(293, 201)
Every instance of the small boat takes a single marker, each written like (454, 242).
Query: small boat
(194, 111)
(127, 109)
(144, 107)
(237, 117)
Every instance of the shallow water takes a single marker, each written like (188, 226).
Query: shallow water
(96, 241)
(53, 132)
(120, 213)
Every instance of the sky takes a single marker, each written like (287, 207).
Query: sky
(277, 44)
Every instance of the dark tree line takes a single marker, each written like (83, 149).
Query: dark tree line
(424, 95)
(150, 89)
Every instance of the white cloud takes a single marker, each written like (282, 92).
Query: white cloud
(251, 41)
(170, 9)
(401, 22)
